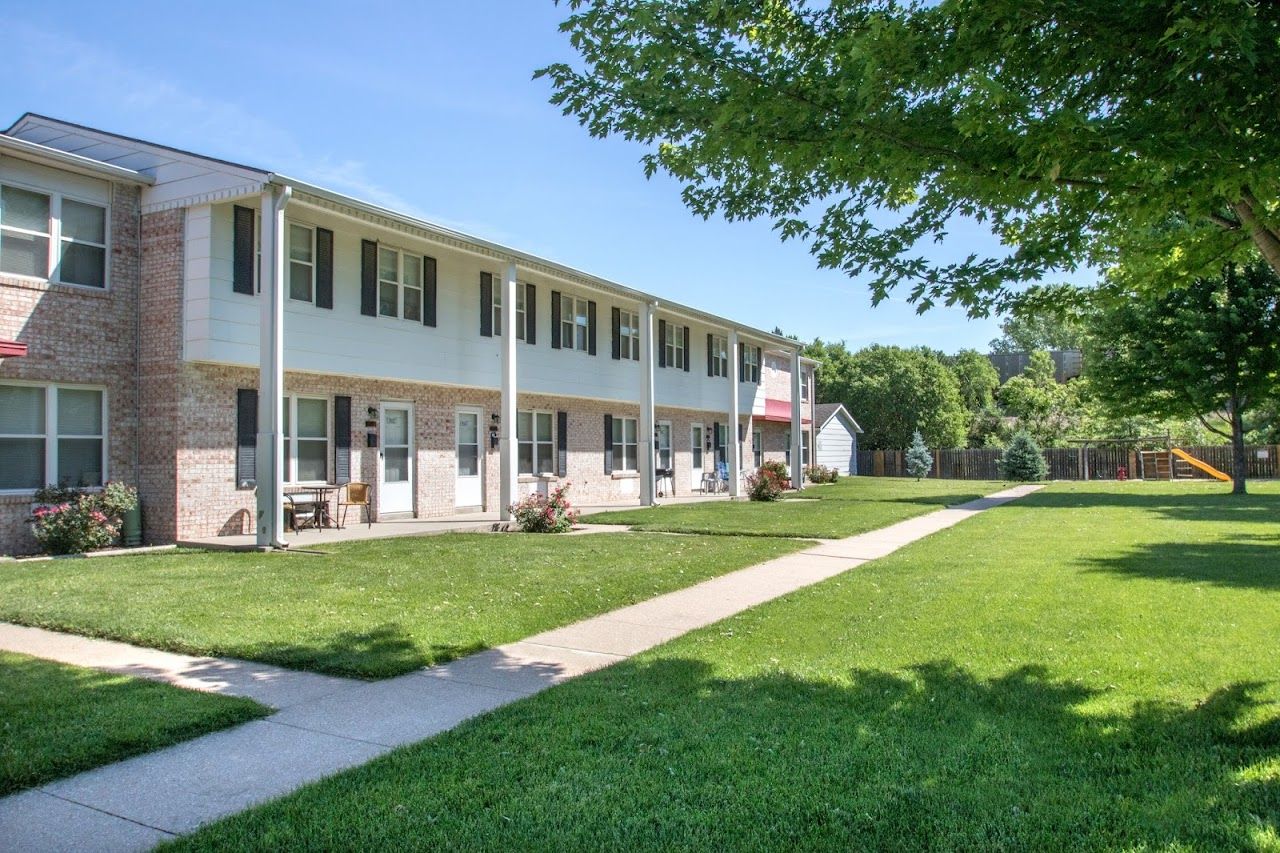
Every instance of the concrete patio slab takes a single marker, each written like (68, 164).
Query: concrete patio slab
(270, 685)
(178, 788)
(36, 821)
(398, 710)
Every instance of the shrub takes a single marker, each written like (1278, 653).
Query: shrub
(74, 527)
(768, 482)
(919, 459)
(821, 474)
(542, 514)
(1023, 460)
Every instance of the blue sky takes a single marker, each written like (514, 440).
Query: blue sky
(430, 108)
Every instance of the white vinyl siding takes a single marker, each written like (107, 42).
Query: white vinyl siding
(52, 434)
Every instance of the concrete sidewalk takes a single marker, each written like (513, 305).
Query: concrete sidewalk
(339, 724)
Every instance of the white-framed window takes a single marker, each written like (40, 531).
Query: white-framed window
(521, 307)
(535, 448)
(751, 361)
(674, 345)
(757, 447)
(629, 335)
(624, 445)
(719, 355)
(302, 262)
(804, 448)
(306, 439)
(53, 237)
(721, 442)
(52, 434)
(806, 381)
(399, 284)
(662, 446)
(573, 323)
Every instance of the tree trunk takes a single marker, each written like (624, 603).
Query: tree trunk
(1239, 464)
(1263, 237)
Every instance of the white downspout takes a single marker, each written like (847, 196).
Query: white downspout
(270, 447)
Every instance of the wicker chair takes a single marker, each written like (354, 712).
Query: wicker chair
(354, 494)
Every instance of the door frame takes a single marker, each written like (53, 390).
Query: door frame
(478, 411)
(382, 458)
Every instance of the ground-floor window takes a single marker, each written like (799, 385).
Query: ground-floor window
(306, 440)
(624, 445)
(662, 445)
(722, 435)
(757, 447)
(804, 449)
(52, 434)
(535, 450)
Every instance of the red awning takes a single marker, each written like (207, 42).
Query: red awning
(12, 349)
(780, 411)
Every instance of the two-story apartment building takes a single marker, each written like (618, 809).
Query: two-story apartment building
(215, 333)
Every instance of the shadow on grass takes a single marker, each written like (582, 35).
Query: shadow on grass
(1217, 505)
(1248, 562)
(664, 755)
(383, 652)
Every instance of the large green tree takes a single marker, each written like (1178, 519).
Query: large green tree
(1079, 131)
(894, 391)
(1210, 350)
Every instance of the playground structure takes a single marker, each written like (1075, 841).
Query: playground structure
(1161, 463)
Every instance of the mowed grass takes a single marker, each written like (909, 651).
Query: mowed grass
(1093, 667)
(56, 720)
(368, 609)
(851, 506)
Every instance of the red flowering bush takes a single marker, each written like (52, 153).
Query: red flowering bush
(768, 482)
(74, 527)
(542, 514)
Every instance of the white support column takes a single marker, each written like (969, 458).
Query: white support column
(797, 460)
(644, 444)
(507, 417)
(731, 443)
(270, 446)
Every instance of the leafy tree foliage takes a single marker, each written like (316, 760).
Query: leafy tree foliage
(919, 457)
(978, 383)
(1211, 351)
(1079, 131)
(1043, 407)
(894, 391)
(1027, 330)
(1023, 460)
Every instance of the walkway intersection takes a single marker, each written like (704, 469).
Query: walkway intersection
(324, 725)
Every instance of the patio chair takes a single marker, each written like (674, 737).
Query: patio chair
(299, 513)
(722, 476)
(354, 494)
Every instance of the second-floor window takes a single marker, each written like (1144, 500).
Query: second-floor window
(805, 380)
(629, 335)
(750, 364)
(535, 451)
(573, 323)
(302, 262)
(399, 284)
(719, 355)
(521, 308)
(52, 237)
(674, 345)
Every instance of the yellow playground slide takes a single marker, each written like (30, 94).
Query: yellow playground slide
(1203, 466)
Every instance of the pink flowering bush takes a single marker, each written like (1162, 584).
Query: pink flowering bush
(82, 522)
(540, 514)
(768, 483)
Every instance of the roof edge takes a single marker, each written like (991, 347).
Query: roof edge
(22, 149)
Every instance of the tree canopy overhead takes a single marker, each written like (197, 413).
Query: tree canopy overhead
(1080, 131)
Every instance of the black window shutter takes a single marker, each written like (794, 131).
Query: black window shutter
(688, 353)
(617, 333)
(341, 439)
(562, 444)
(246, 438)
(710, 366)
(608, 444)
(742, 363)
(324, 268)
(369, 278)
(555, 319)
(742, 432)
(591, 327)
(715, 438)
(243, 259)
(662, 343)
(530, 314)
(486, 305)
(428, 291)
(755, 371)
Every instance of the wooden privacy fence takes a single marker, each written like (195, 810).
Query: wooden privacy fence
(1066, 463)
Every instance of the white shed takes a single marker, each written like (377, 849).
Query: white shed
(837, 438)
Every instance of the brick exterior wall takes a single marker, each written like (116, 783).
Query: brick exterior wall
(82, 336)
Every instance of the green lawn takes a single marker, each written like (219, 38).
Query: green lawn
(853, 505)
(373, 608)
(56, 720)
(1094, 667)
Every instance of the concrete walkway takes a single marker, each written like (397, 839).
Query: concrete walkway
(319, 731)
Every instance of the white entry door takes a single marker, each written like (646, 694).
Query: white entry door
(695, 444)
(469, 486)
(395, 460)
